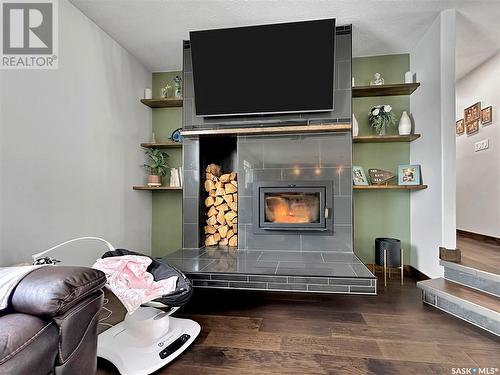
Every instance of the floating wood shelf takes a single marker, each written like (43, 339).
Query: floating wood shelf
(294, 129)
(389, 187)
(162, 188)
(167, 144)
(162, 103)
(384, 90)
(385, 138)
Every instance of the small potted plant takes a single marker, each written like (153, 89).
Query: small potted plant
(157, 168)
(381, 117)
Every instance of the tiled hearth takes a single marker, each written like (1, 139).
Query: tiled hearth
(318, 271)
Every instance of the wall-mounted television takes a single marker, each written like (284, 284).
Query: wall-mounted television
(268, 69)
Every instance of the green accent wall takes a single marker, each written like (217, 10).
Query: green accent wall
(380, 213)
(167, 205)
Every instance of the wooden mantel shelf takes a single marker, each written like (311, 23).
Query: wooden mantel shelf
(384, 90)
(166, 144)
(294, 129)
(389, 187)
(162, 103)
(159, 188)
(385, 138)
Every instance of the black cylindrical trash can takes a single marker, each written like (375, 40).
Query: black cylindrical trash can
(393, 247)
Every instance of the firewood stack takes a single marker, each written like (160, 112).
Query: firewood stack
(222, 207)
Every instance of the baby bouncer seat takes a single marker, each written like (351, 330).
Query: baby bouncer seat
(149, 338)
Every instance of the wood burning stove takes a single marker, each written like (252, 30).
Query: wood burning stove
(292, 206)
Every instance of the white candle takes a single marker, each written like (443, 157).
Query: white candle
(148, 94)
(408, 77)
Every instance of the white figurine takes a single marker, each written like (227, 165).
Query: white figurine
(377, 80)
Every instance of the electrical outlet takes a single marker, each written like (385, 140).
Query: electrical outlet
(481, 145)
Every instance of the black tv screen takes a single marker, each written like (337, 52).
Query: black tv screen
(279, 68)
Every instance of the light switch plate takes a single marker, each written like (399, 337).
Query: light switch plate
(481, 145)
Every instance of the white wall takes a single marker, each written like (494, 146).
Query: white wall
(432, 105)
(478, 173)
(69, 146)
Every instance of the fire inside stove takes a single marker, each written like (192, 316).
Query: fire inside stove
(292, 208)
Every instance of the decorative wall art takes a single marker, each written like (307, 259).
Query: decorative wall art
(460, 128)
(472, 127)
(379, 176)
(358, 176)
(472, 113)
(409, 174)
(487, 115)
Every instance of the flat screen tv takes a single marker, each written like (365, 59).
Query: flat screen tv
(269, 69)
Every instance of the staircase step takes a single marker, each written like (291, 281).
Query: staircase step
(476, 307)
(474, 278)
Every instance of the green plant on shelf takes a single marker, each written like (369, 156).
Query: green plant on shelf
(157, 162)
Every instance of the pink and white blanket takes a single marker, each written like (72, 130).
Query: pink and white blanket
(131, 283)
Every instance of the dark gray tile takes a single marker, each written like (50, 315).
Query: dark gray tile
(307, 280)
(187, 113)
(339, 281)
(254, 285)
(258, 267)
(190, 236)
(191, 183)
(328, 288)
(343, 74)
(230, 277)
(250, 155)
(245, 186)
(315, 269)
(361, 270)
(291, 152)
(188, 85)
(209, 283)
(336, 151)
(242, 236)
(362, 289)
(343, 103)
(340, 257)
(343, 47)
(190, 208)
(191, 154)
(186, 61)
(340, 240)
(185, 254)
(198, 276)
(282, 286)
(245, 210)
(189, 265)
(289, 256)
(272, 242)
(346, 181)
(312, 174)
(342, 209)
(268, 279)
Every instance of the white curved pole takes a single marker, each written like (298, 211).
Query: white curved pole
(108, 245)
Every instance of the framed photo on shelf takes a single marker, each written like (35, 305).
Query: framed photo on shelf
(472, 127)
(486, 115)
(409, 174)
(359, 176)
(460, 129)
(472, 113)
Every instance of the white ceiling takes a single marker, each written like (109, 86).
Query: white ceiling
(152, 30)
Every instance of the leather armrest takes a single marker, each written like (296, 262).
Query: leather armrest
(53, 290)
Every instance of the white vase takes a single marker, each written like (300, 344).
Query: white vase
(404, 124)
(355, 126)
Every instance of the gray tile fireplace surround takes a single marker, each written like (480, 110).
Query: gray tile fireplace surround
(321, 262)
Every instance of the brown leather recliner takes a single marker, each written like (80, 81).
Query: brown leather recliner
(50, 326)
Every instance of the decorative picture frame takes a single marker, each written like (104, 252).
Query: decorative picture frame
(409, 174)
(459, 127)
(359, 176)
(472, 127)
(472, 113)
(487, 115)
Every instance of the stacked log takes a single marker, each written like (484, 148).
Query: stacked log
(222, 207)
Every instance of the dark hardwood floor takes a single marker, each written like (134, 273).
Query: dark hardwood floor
(480, 255)
(247, 332)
